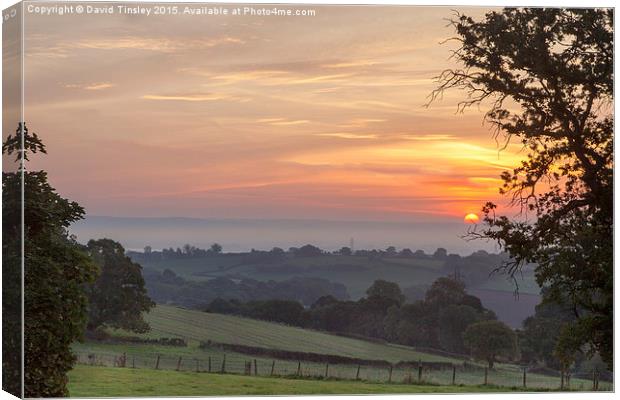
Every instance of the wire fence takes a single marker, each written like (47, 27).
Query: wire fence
(458, 374)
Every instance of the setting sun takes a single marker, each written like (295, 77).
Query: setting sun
(471, 218)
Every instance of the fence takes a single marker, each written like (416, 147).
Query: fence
(410, 373)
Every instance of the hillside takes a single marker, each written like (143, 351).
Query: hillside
(196, 326)
(356, 273)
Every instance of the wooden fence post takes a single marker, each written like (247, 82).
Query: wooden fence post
(133, 362)
(326, 370)
(419, 372)
(597, 376)
(299, 368)
(390, 376)
(223, 371)
(524, 377)
(179, 363)
(255, 368)
(595, 383)
(453, 374)
(273, 366)
(209, 363)
(124, 360)
(357, 374)
(486, 375)
(157, 362)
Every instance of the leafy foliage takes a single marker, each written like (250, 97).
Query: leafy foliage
(547, 76)
(168, 287)
(56, 269)
(489, 339)
(118, 297)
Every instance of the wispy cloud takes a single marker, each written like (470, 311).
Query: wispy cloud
(91, 86)
(346, 135)
(427, 138)
(195, 97)
(283, 121)
(351, 64)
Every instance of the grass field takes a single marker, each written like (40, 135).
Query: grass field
(86, 381)
(195, 326)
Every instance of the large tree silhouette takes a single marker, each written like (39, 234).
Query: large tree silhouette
(55, 269)
(546, 77)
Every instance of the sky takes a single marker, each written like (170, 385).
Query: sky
(256, 117)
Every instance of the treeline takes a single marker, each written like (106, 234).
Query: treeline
(439, 321)
(308, 250)
(169, 288)
(472, 269)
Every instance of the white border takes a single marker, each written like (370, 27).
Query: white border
(483, 3)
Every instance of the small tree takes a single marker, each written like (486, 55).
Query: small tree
(216, 248)
(345, 251)
(489, 339)
(118, 297)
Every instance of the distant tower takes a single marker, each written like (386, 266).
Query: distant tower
(352, 245)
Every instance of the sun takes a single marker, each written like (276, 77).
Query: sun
(471, 218)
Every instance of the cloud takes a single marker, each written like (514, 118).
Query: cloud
(154, 44)
(282, 121)
(91, 86)
(351, 64)
(195, 97)
(430, 137)
(346, 135)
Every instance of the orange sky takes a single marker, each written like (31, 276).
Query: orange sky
(258, 117)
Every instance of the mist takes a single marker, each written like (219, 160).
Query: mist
(239, 235)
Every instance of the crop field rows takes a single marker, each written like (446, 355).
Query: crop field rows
(234, 363)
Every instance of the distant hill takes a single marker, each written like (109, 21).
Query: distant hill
(237, 235)
(357, 273)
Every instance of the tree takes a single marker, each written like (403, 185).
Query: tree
(216, 248)
(385, 291)
(118, 297)
(489, 339)
(55, 272)
(547, 77)
(440, 253)
(308, 251)
(540, 333)
(445, 291)
(345, 251)
(453, 321)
